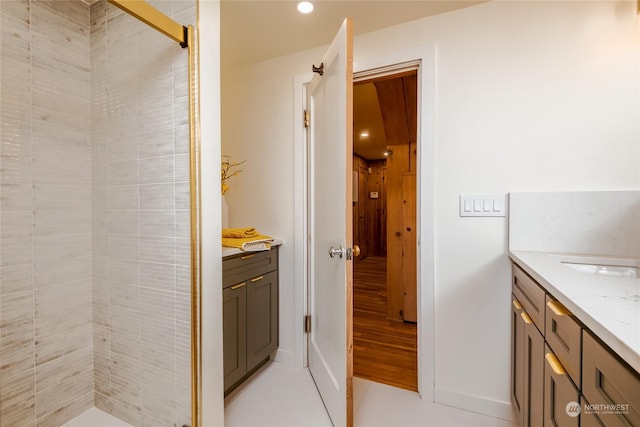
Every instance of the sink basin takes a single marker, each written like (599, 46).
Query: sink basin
(604, 270)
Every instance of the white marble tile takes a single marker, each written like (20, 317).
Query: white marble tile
(17, 399)
(16, 334)
(16, 196)
(123, 222)
(68, 221)
(126, 319)
(158, 354)
(157, 197)
(16, 307)
(156, 117)
(157, 394)
(18, 9)
(123, 247)
(181, 111)
(52, 347)
(61, 258)
(123, 271)
(155, 143)
(16, 251)
(122, 172)
(15, 223)
(181, 139)
(124, 296)
(125, 344)
(157, 223)
(122, 150)
(16, 278)
(158, 276)
(64, 296)
(61, 196)
(75, 364)
(158, 249)
(75, 407)
(56, 322)
(157, 170)
(157, 88)
(122, 197)
(16, 360)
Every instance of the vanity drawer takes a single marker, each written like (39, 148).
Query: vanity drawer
(247, 265)
(530, 295)
(609, 381)
(564, 336)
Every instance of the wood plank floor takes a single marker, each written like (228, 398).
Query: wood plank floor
(385, 351)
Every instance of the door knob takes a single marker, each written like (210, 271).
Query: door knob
(340, 252)
(333, 252)
(356, 250)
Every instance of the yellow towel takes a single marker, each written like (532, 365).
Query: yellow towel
(239, 233)
(234, 242)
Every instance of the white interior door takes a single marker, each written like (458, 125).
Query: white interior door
(330, 226)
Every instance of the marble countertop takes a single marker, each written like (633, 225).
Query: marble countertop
(608, 306)
(232, 251)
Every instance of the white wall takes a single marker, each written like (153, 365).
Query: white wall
(530, 96)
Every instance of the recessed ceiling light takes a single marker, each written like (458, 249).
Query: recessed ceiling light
(305, 7)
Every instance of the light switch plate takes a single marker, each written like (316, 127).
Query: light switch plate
(483, 205)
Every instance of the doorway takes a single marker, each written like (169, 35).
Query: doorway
(384, 227)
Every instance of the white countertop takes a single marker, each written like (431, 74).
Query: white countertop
(608, 306)
(232, 251)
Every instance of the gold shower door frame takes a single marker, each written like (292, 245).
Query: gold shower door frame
(185, 36)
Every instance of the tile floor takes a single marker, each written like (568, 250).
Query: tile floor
(283, 396)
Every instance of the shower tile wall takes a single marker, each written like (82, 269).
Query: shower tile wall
(94, 220)
(141, 245)
(46, 369)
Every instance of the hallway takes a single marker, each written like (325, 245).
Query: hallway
(384, 351)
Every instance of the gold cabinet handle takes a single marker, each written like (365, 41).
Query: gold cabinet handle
(239, 285)
(555, 364)
(247, 257)
(356, 250)
(557, 308)
(517, 304)
(526, 318)
(257, 279)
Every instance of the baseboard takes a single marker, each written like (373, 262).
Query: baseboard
(474, 403)
(286, 357)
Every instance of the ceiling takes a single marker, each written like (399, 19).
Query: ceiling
(252, 31)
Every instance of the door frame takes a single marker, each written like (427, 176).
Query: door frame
(425, 56)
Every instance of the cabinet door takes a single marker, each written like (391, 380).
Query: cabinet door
(533, 374)
(561, 399)
(234, 333)
(587, 417)
(262, 318)
(517, 358)
(610, 384)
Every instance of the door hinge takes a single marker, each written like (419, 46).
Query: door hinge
(307, 324)
(307, 118)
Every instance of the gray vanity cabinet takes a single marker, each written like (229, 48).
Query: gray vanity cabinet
(250, 313)
(234, 333)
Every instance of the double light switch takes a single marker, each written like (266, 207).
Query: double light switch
(493, 205)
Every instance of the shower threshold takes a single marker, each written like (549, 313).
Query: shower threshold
(94, 417)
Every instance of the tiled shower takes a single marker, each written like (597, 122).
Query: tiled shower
(94, 215)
